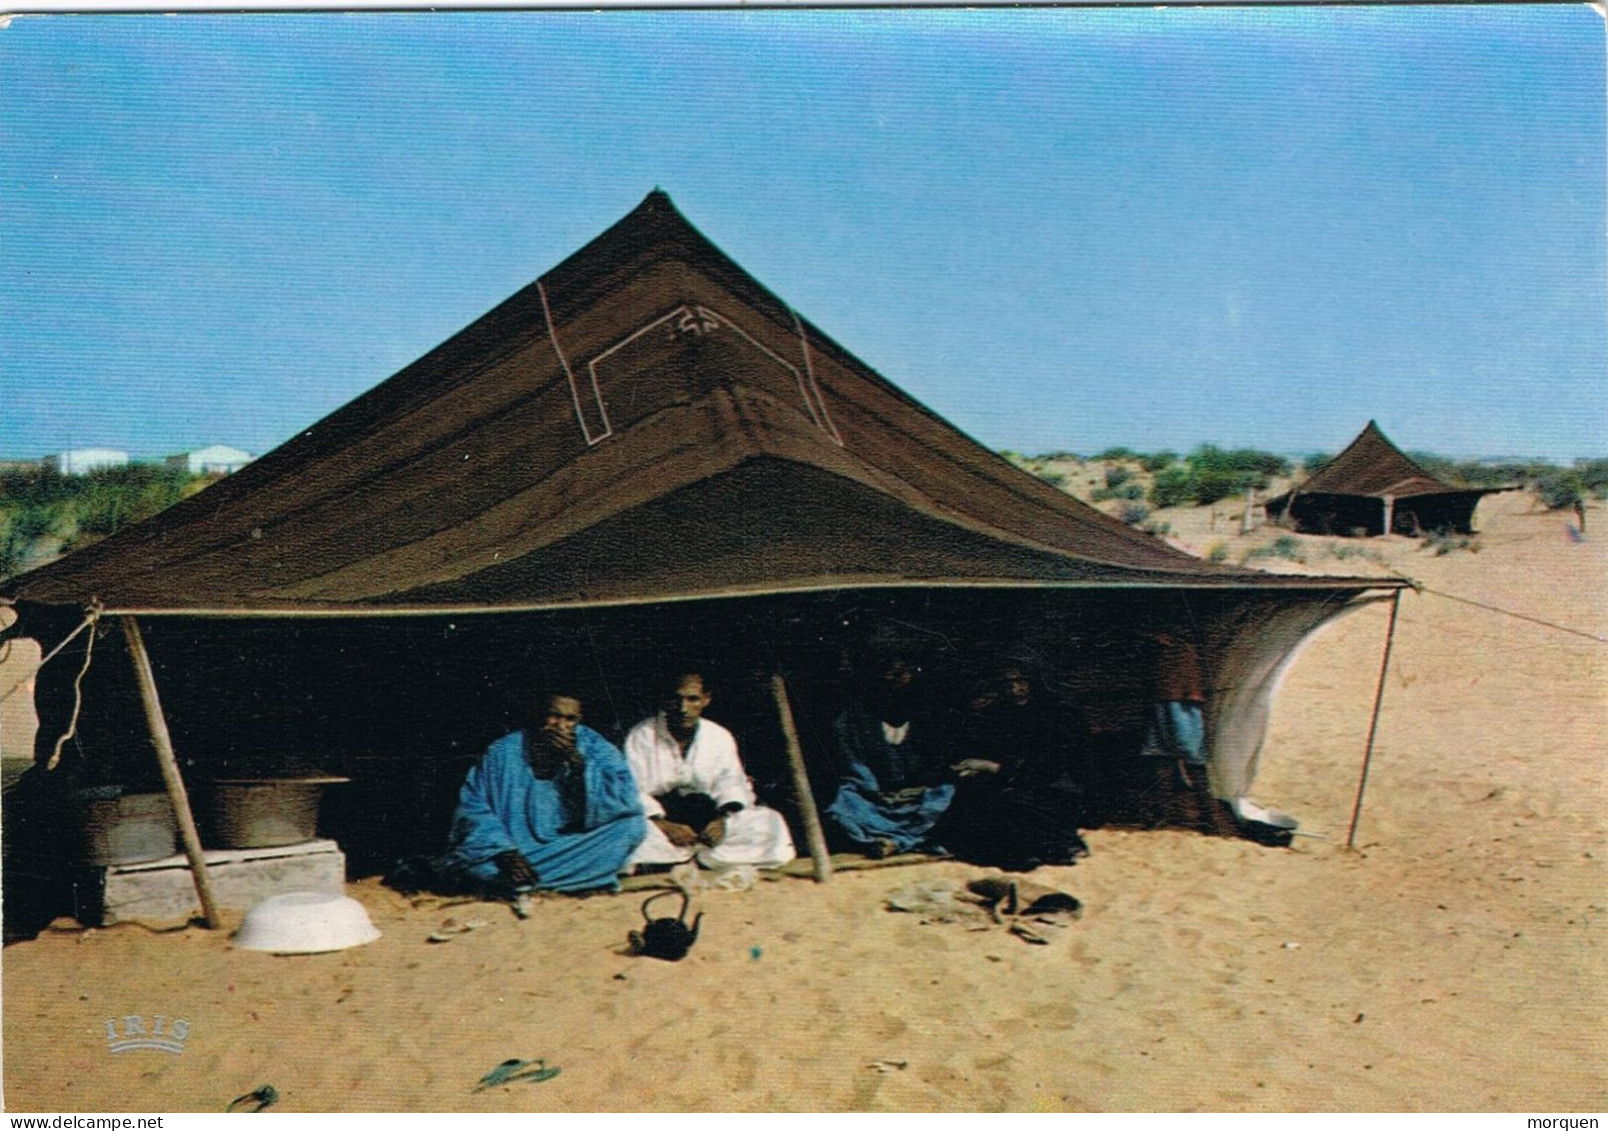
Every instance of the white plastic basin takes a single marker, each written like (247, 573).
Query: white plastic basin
(306, 922)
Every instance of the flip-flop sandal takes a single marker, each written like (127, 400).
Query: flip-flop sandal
(502, 1072)
(515, 1070)
(535, 1075)
(451, 929)
(264, 1097)
(1028, 934)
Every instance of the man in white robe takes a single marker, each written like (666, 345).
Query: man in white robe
(697, 798)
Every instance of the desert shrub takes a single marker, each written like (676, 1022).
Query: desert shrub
(1445, 542)
(1213, 484)
(1593, 475)
(42, 487)
(1474, 473)
(1051, 476)
(1256, 466)
(1126, 491)
(10, 558)
(1133, 513)
(1117, 453)
(113, 497)
(1498, 474)
(83, 508)
(31, 522)
(1157, 529)
(1155, 462)
(1117, 476)
(1284, 546)
(1172, 487)
(1210, 473)
(1437, 465)
(1344, 550)
(1218, 553)
(1560, 489)
(20, 528)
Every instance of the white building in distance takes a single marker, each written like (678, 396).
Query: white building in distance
(219, 459)
(81, 461)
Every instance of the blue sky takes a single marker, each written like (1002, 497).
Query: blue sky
(1061, 229)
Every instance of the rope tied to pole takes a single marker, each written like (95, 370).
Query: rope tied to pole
(52, 654)
(91, 615)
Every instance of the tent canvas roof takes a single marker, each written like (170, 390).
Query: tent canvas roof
(1371, 465)
(645, 422)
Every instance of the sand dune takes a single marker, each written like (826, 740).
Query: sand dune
(1455, 962)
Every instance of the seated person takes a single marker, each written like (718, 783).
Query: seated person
(553, 808)
(698, 800)
(1016, 805)
(891, 790)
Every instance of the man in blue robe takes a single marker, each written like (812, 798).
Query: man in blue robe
(553, 808)
(891, 790)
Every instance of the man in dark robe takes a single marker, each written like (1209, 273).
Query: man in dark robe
(1017, 805)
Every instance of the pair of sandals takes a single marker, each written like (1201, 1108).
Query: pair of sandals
(516, 1071)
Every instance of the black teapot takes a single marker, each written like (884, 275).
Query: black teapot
(666, 938)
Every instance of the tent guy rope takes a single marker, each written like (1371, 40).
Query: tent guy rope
(1517, 616)
(90, 618)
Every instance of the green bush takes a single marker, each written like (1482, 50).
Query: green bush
(1560, 489)
(1257, 466)
(1117, 453)
(113, 497)
(1593, 475)
(1161, 459)
(1117, 476)
(1173, 487)
(1126, 491)
(1218, 553)
(1051, 476)
(1133, 513)
(1209, 474)
(20, 527)
(82, 508)
(1213, 484)
(1472, 473)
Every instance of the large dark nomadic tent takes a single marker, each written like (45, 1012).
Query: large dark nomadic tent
(1373, 488)
(641, 456)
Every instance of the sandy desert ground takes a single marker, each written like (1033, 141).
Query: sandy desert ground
(1454, 962)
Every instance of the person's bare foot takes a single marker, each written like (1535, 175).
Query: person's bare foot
(881, 849)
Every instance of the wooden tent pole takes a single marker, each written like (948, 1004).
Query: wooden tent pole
(1373, 725)
(813, 836)
(170, 771)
